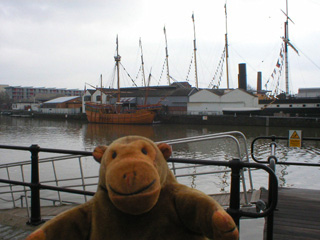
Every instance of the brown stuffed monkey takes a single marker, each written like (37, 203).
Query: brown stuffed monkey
(138, 197)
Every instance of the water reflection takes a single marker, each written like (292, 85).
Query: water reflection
(97, 134)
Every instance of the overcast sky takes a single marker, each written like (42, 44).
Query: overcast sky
(67, 43)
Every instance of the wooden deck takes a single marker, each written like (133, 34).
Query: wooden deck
(297, 215)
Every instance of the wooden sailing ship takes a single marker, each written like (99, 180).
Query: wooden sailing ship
(117, 114)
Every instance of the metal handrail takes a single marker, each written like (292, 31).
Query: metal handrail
(213, 136)
(236, 165)
(273, 139)
(206, 138)
(272, 160)
(217, 136)
(234, 207)
(172, 142)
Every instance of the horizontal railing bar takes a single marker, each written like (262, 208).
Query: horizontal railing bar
(190, 166)
(67, 186)
(299, 164)
(273, 139)
(14, 191)
(49, 150)
(66, 179)
(41, 186)
(43, 160)
(62, 189)
(54, 200)
(202, 173)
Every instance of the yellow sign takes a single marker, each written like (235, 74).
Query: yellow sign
(295, 138)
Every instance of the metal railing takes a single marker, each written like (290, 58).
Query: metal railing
(218, 136)
(272, 161)
(235, 165)
(35, 185)
(20, 170)
(242, 153)
(273, 146)
(51, 161)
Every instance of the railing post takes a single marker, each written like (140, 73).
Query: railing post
(270, 199)
(234, 208)
(272, 159)
(35, 218)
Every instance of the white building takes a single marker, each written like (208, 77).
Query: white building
(308, 93)
(26, 106)
(87, 97)
(215, 101)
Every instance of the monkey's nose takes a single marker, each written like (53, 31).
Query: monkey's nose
(129, 178)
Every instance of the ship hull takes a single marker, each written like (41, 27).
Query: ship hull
(98, 115)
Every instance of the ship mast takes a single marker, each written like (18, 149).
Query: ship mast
(286, 44)
(101, 88)
(195, 51)
(286, 40)
(226, 47)
(167, 54)
(117, 58)
(142, 64)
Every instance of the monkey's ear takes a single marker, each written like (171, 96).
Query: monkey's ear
(98, 153)
(165, 149)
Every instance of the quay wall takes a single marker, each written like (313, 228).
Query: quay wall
(239, 120)
(79, 116)
(267, 121)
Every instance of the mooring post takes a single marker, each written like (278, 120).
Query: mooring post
(35, 218)
(234, 209)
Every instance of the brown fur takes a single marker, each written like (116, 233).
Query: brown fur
(139, 198)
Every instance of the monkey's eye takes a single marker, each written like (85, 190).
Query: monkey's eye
(144, 151)
(114, 155)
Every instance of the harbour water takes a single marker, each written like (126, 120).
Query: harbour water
(73, 135)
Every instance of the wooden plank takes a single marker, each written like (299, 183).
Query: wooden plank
(297, 214)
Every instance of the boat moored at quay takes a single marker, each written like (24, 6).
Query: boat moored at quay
(117, 113)
(102, 113)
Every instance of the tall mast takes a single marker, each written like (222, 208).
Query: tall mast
(226, 47)
(195, 51)
(286, 40)
(286, 44)
(147, 91)
(167, 54)
(117, 58)
(142, 64)
(101, 88)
